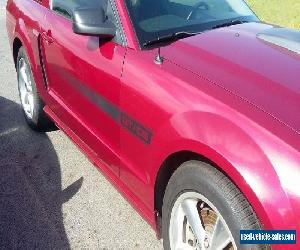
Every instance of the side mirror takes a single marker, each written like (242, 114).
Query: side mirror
(93, 22)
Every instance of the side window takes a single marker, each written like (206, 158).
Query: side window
(65, 8)
(62, 7)
(112, 15)
(187, 2)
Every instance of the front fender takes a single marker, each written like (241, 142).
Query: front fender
(237, 148)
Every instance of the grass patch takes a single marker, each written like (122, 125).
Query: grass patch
(281, 12)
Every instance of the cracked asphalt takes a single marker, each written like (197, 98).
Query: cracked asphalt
(51, 196)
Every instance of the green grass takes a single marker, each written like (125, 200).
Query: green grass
(282, 12)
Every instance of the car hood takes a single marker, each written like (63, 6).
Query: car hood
(252, 61)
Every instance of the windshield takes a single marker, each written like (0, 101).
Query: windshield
(157, 18)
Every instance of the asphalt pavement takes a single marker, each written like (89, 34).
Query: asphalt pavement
(51, 196)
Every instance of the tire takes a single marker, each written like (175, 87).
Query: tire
(199, 185)
(34, 115)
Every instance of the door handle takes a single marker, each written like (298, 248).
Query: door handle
(47, 36)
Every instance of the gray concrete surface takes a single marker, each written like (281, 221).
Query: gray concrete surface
(51, 196)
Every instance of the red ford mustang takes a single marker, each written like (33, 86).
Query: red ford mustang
(190, 108)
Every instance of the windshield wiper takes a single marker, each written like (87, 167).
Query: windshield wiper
(169, 38)
(230, 23)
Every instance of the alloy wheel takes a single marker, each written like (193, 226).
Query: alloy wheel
(25, 88)
(197, 224)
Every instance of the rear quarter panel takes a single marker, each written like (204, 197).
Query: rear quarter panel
(24, 20)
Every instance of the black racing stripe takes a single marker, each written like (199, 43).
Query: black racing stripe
(103, 104)
(123, 119)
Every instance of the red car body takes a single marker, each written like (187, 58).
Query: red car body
(223, 96)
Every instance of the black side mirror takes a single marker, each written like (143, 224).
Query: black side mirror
(93, 22)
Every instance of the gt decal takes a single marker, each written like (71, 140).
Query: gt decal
(135, 128)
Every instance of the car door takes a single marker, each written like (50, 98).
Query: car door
(83, 78)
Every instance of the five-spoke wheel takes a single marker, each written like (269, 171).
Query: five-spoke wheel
(197, 224)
